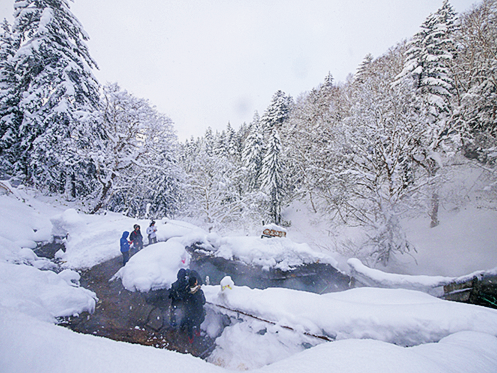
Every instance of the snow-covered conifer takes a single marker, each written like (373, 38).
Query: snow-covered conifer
(429, 61)
(272, 182)
(253, 153)
(10, 116)
(208, 143)
(363, 67)
(220, 144)
(277, 112)
(56, 88)
(476, 70)
(232, 143)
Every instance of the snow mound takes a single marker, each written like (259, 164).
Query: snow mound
(154, 267)
(43, 294)
(278, 253)
(403, 317)
(429, 284)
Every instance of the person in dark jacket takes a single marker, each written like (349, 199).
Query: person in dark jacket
(125, 247)
(136, 238)
(194, 308)
(177, 294)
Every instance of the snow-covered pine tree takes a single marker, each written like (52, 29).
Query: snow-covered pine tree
(208, 143)
(272, 181)
(57, 88)
(253, 153)
(476, 69)
(242, 134)
(277, 112)
(232, 143)
(363, 67)
(221, 149)
(271, 178)
(429, 60)
(10, 116)
(188, 152)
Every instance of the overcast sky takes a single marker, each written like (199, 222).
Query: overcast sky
(209, 62)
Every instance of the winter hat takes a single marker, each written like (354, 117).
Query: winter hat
(181, 274)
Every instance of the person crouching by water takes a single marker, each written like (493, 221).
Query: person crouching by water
(125, 247)
(151, 232)
(194, 308)
(136, 238)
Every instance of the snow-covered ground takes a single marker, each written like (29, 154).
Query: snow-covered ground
(371, 329)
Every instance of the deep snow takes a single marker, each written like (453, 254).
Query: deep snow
(374, 330)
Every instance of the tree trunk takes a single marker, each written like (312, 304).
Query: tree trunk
(434, 210)
(103, 196)
(312, 203)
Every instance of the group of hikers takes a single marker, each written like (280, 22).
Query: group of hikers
(135, 240)
(187, 299)
(187, 303)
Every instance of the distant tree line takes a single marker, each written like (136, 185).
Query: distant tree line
(362, 152)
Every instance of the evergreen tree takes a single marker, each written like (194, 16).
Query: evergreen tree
(56, 89)
(232, 143)
(253, 153)
(221, 145)
(208, 143)
(429, 63)
(476, 70)
(272, 182)
(10, 116)
(277, 112)
(363, 68)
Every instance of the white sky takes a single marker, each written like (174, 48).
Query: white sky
(210, 62)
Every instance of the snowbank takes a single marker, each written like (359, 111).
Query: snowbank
(398, 316)
(43, 294)
(279, 253)
(429, 284)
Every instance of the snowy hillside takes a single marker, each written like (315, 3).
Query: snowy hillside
(366, 329)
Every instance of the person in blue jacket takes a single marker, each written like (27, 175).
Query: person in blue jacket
(125, 247)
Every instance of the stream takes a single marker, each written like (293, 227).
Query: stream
(132, 317)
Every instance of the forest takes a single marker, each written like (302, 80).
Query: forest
(366, 152)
